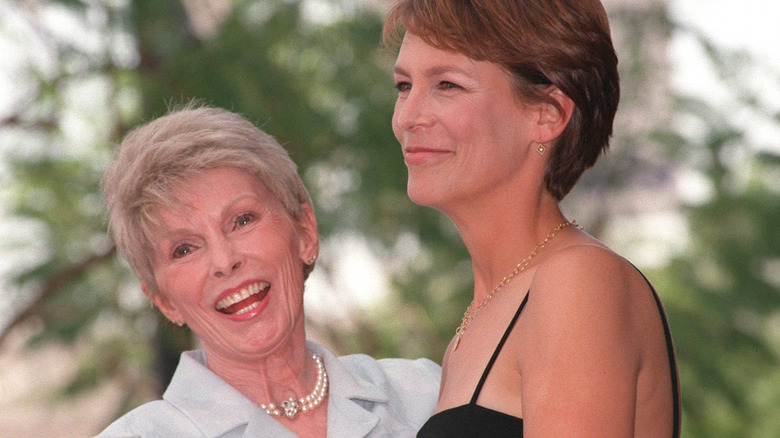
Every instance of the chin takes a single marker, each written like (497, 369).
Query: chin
(418, 194)
(423, 197)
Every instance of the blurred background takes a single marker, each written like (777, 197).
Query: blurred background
(690, 191)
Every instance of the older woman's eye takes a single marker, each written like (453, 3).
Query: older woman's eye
(181, 251)
(243, 220)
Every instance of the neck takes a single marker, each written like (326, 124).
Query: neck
(286, 371)
(498, 238)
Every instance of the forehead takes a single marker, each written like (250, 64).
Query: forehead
(418, 57)
(220, 180)
(211, 193)
(415, 49)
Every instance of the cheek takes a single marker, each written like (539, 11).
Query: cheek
(176, 280)
(166, 282)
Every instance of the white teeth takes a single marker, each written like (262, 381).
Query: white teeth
(248, 308)
(243, 294)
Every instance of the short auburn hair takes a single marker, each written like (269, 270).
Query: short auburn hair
(565, 43)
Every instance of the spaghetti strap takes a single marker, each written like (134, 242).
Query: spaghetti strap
(671, 356)
(498, 350)
(473, 420)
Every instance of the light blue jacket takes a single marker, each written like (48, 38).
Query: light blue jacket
(366, 398)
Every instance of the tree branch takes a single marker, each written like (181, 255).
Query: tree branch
(54, 284)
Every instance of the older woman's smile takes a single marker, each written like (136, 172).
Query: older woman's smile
(246, 299)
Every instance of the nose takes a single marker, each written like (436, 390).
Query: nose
(412, 111)
(225, 260)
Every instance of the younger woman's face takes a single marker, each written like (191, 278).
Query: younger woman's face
(461, 126)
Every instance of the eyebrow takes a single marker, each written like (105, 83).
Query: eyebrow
(170, 233)
(432, 71)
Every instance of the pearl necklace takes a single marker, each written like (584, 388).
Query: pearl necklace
(469, 315)
(292, 407)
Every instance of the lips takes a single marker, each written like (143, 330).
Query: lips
(244, 300)
(423, 155)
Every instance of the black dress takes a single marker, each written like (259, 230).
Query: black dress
(472, 420)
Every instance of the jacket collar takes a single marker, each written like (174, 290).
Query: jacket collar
(350, 399)
(209, 402)
(215, 407)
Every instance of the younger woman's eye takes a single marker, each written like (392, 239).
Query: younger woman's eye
(447, 85)
(403, 86)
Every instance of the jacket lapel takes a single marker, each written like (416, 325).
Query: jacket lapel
(351, 400)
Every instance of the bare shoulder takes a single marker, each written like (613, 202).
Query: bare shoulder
(587, 272)
(588, 291)
(592, 329)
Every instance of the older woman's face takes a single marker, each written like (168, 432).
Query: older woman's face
(229, 263)
(459, 122)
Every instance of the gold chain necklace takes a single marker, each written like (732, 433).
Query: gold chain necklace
(520, 267)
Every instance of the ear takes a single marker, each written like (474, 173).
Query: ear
(309, 238)
(164, 304)
(552, 119)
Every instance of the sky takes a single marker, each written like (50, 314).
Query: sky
(748, 24)
(752, 26)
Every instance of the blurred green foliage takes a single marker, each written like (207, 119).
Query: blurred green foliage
(321, 84)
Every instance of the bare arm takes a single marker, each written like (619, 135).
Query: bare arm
(582, 356)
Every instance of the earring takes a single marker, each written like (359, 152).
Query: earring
(311, 260)
(541, 149)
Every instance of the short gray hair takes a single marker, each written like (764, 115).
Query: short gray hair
(154, 157)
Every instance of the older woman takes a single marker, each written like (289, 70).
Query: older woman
(502, 105)
(212, 216)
